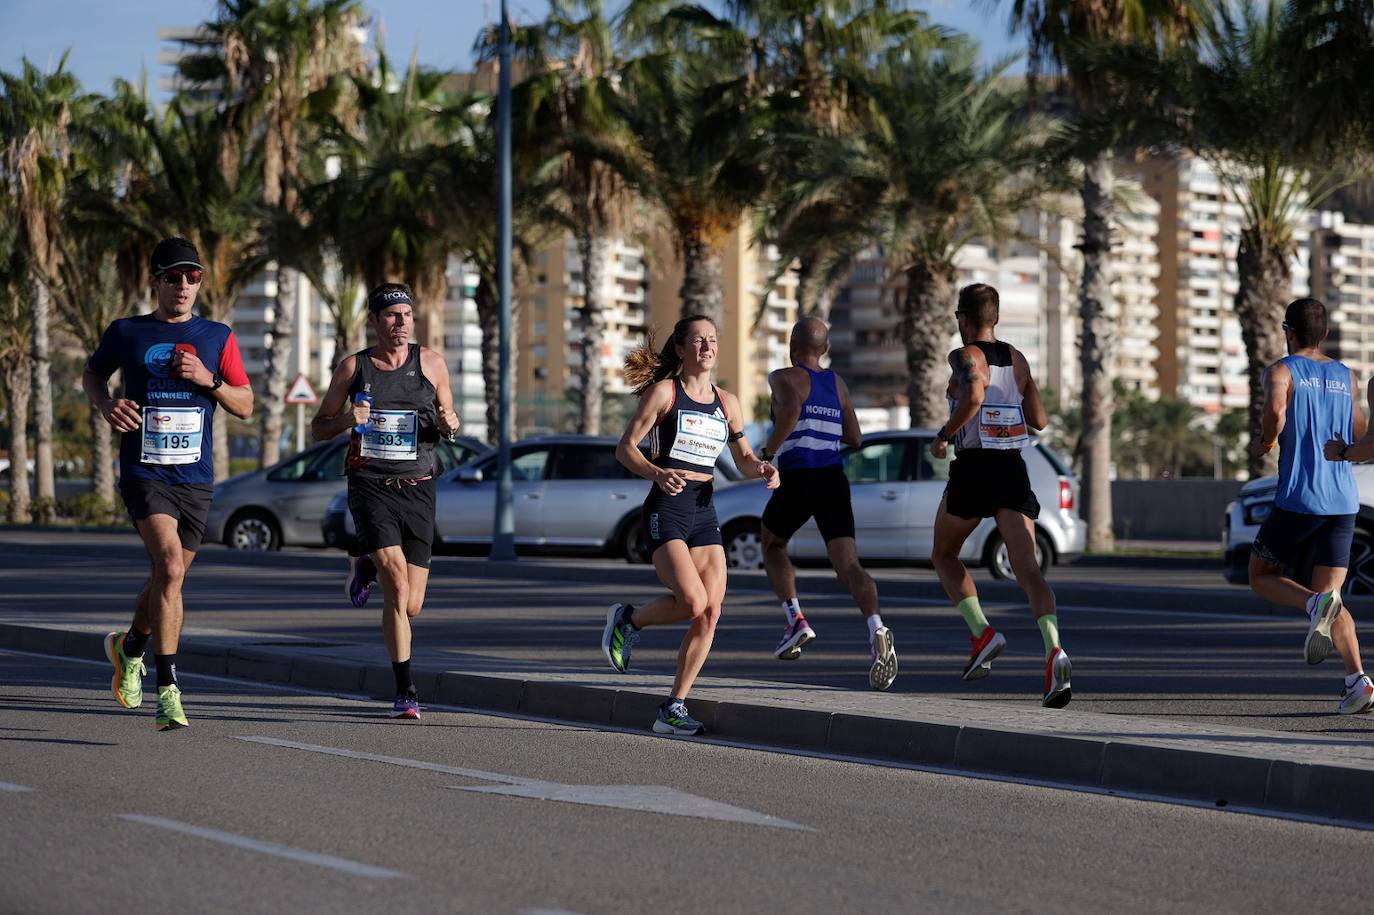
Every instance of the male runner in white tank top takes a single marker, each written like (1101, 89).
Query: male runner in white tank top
(993, 404)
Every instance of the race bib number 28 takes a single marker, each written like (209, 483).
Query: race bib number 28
(172, 435)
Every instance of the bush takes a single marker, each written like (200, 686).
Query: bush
(89, 510)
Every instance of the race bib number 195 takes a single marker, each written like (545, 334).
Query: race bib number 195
(172, 435)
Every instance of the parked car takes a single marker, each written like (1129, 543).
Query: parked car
(571, 495)
(1254, 502)
(283, 504)
(896, 486)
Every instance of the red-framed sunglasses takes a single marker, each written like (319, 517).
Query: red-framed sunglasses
(174, 277)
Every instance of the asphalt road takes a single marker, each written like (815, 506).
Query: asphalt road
(1198, 667)
(281, 801)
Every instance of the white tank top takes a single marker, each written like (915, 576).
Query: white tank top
(1000, 423)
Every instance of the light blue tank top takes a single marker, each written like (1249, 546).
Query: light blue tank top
(1321, 409)
(815, 443)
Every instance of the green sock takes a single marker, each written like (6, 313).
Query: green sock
(973, 615)
(1049, 629)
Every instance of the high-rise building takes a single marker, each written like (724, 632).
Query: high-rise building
(1342, 262)
(1202, 355)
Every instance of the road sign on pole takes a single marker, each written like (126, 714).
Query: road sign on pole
(302, 392)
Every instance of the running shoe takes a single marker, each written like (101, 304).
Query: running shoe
(169, 713)
(127, 683)
(673, 719)
(407, 705)
(1322, 610)
(986, 647)
(362, 575)
(1358, 698)
(794, 639)
(884, 656)
(619, 637)
(1058, 690)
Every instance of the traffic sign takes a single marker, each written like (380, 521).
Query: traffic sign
(301, 391)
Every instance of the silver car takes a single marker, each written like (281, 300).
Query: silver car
(571, 495)
(896, 485)
(284, 504)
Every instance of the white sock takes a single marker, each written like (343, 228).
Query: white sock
(1353, 678)
(875, 622)
(793, 610)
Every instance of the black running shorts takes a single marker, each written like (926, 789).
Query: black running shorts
(189, 503)
(982, 482)
(821, 493)
(1284, 535)
(394, 513)
(689, 516)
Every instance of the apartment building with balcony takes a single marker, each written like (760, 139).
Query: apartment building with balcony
(1342, 265)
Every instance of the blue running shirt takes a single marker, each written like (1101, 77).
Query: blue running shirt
(174, 444)
(815, 442)
(1321, 408)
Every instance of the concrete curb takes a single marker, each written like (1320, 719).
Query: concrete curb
(1327, 790)
(1068, 594)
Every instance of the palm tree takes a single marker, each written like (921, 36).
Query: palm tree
(1055, 29)
(568, 103)
(275, 59)
(16, 356)
(36, 110)
(946, 154)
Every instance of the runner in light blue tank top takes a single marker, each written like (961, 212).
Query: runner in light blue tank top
(1310, 413)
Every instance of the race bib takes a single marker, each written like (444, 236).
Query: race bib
(700, 438)
(172, 435)
(391, 436)
(1002, 427)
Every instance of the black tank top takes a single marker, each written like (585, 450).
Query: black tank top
(691, 435)
(400, 436)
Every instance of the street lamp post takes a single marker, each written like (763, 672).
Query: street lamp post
(503, 530)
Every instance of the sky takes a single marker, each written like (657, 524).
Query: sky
(118, 38)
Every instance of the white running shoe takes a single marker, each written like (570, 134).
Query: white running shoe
(1322, 610)
(1358, 698)
(794, 639)
(1058, 670)
(884, 655)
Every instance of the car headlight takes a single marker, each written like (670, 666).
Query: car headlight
(1257, 512)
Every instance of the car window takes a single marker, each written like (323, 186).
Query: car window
(588, 462)
(332, 464)
(928, 466)
(880, 462)
(293, 469)
(1056, 460)
(450, 454)
(528, 466)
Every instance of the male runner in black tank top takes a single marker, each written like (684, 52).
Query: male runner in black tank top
(391, 463)
(994, 404)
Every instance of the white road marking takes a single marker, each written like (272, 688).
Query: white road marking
(266, 848)
(10, 786)
(647, 798)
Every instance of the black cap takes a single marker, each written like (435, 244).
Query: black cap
(174, 252)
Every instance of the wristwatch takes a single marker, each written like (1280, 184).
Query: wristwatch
(763, 454)
(944, 437)
(1345, 446)
(216, 380)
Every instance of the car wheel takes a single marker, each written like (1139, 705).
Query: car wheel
(999, 563)
(633, 545)
(253, 530)
(1360, 581)
(743, 544)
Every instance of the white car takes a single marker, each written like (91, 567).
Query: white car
(896, 486)
(1253, 504)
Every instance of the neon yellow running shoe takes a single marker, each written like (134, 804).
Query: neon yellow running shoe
(127, 684)
(169, 713)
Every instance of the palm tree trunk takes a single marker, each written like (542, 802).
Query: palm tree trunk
(812, 297)
(489, 317)
(1097, 310)
(19, 387)
(102, 457)
(594, 248)
(926, 325)
(46, 504)
(701, 279)
(1265, 282)
(278, 365)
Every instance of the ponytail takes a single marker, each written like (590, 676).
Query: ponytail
(644, 367)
